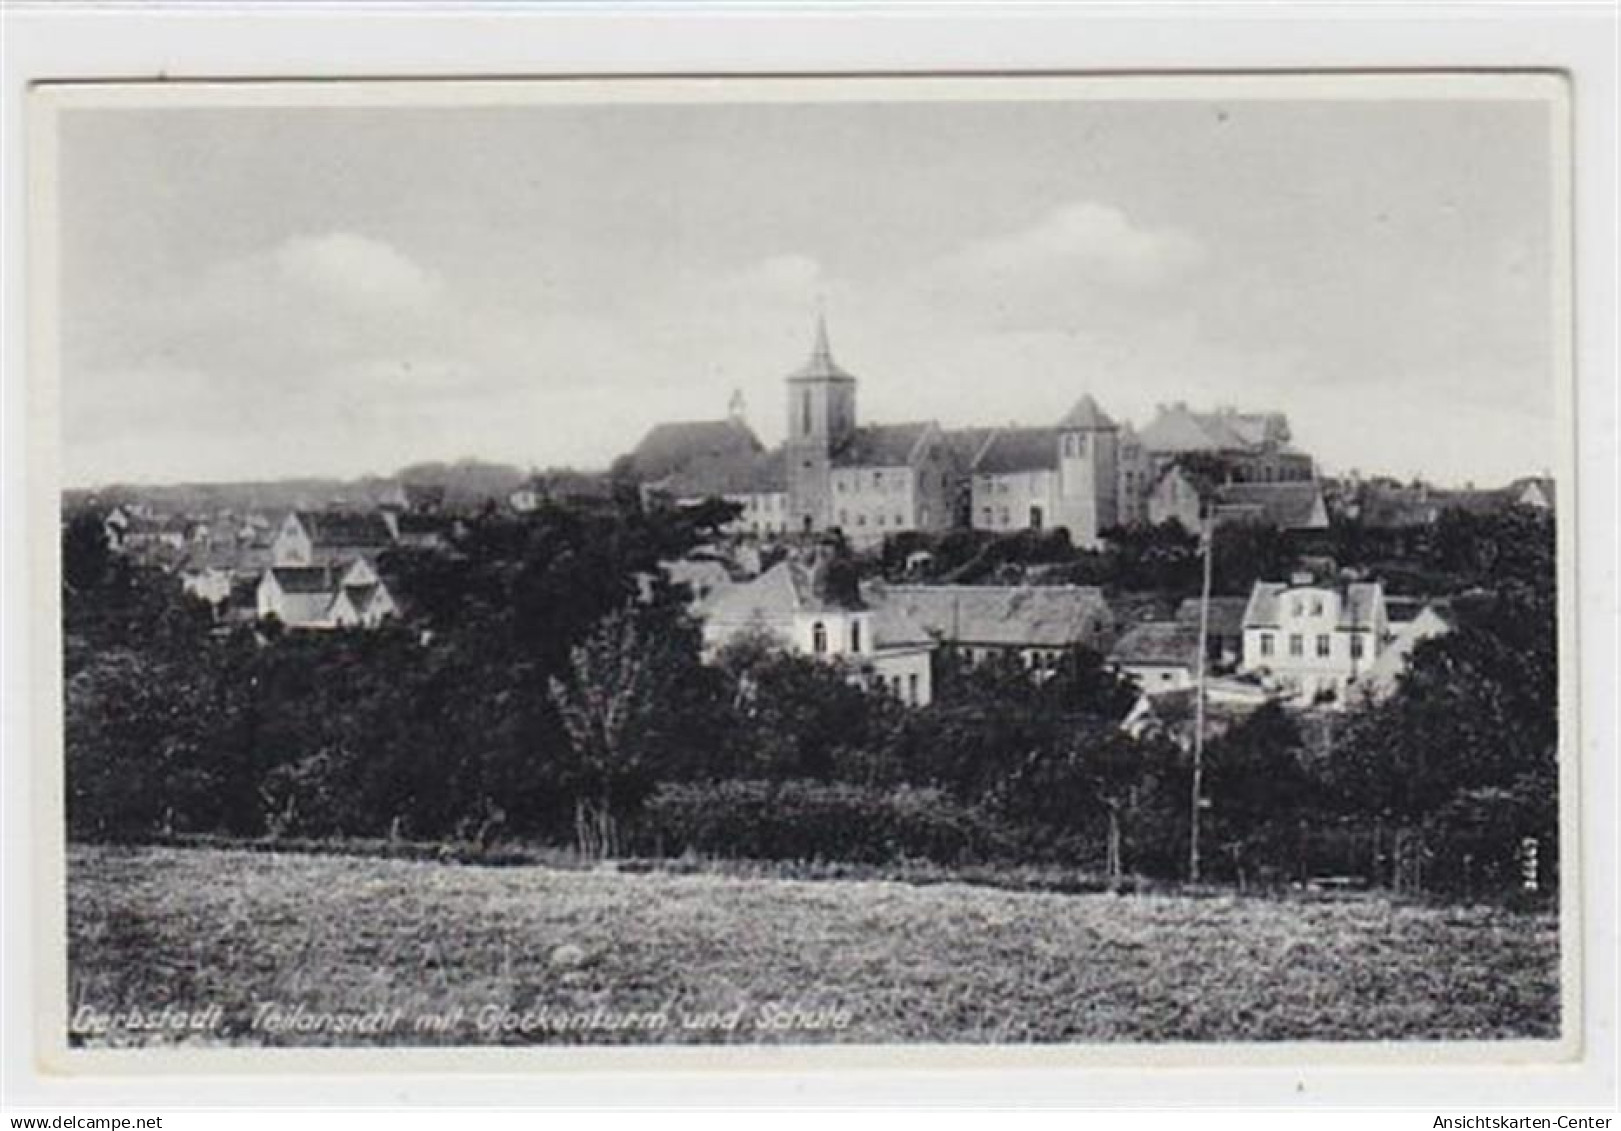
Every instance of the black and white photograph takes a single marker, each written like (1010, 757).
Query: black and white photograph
(1062, 562)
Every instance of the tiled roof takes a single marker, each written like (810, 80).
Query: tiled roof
(740, 473)
(1402, 610)
(1176, 428)
(1011, 450)
(772, 598)
(668, 448)
(883, 445)
(1261, 611)
(1294, 505)
(1226, 614)
(1387, 507)
(1538, 484)
(1158, 642)
(412, 523)
(1034, 616)
(964, 443)
(1361, 600)
(1086, 415)
(1358, 603)
(346, 528)
(304, 579)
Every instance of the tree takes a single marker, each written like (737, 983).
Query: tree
(1260, 793)
(86, 558)
(608, 705)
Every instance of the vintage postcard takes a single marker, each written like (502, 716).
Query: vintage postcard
(1048, 569)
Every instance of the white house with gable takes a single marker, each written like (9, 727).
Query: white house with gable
(1314, 638)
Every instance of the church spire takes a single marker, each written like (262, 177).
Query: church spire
(821, 365)
(821, 352)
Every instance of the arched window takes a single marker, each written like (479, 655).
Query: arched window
(855, 636)
(819, 638)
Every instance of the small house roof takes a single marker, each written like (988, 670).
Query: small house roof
(1226, 614)
(789, 587)
(1359, 604)
(359, 529)
(1162, 642)
(1022, 616)
(304, 579)
(1296, 505)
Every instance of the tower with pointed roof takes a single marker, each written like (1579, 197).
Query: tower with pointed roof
(1087, 500)
(821, 420)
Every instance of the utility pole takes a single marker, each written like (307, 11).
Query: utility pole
(1207, 535)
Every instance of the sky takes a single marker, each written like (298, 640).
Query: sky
(264, 292)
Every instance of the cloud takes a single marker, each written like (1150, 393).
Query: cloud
(1087, 241)
(355, 270)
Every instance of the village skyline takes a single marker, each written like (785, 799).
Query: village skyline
(558, 279)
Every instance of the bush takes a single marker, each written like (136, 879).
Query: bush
(806, 820)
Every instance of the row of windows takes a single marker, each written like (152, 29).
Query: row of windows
(1075, 444)
(879, 481)
(819, 637)
(1324, 645)
(767, 502)
(901, 687)
(878, 520)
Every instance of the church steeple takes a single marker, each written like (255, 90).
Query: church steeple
(821, 352)
(821, 422)
(821, 366)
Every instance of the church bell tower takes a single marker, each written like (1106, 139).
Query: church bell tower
(821, 420)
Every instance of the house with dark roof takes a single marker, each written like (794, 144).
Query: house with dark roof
(1186, 490)
(325, 596)
(1036, 623)
(1253, 447)
(1159, 655)
(691, 462)
(332, 537)
(800, 606)
(1224, 629)
(672, 447)
(1536, 491)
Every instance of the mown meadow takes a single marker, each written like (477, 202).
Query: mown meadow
(285, 949)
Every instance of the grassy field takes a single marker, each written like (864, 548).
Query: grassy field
(211, 946)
